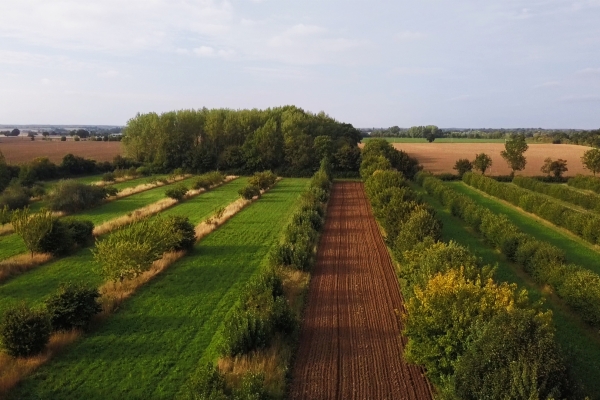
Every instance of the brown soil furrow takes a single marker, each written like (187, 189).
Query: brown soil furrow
(350, 343)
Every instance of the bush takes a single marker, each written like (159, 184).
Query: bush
(184, 229)
(263, 180)
(108, 177)
(24, 332)
(71, 196)
(248, 192)
(209, 384)
(205, 181)
(177, 192)
(63, 138)
(14, 197)
(585, 182)
(72, 307)
(57, 241)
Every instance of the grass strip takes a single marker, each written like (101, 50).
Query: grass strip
(580, 344)
(577, 250)
(34, 286)
(152, 345)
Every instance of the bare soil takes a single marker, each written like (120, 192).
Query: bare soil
(350, 342)
(440, 157)
(18, 150)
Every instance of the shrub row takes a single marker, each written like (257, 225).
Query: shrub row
(71, 196)
(25, 331)
(262, 311)
(205, 181)
(585, 182)
(588, 201)
(582, 224)
(257, 182)
(476, 338)
(578, 287)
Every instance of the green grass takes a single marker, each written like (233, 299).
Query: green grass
(581, 346)
(576, 249)
(11, 245)
(156, 341)
(438, 140)
(38, 283)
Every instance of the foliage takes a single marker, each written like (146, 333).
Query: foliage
(177, 192)
(462, 166)
(371, 164)
(73, 196)
(65, 235)
(556, 168)
(32, 227)
(482, 162)
(24, 332)
(263, 180)
(280, 139)
(207, 180)
(130, 251)
(183, 228)
(588, 201)
(5, 215)
(585, 182)
(108, 177)
(249, 191)
(14, 197)
(398, 160)
(513, 152)
(209, 384)
(72, 307)
(591, 160)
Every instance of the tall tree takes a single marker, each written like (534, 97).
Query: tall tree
(591, 160)
(482, 162)
(556, 168)
(32, 227)
(513, 152)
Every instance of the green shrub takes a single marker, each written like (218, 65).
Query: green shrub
(209, 384)
(263, 180)
(252, 388)
(108, 177)
(143, 171)
(585, 182)
(177, 192)
(14, 197)
(71, 196)
(249, 191)
(24, 331)
(72, 307)
(82, 231)
(63, 138)
(58, 240)
(184, 229)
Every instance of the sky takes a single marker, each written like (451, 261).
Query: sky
(451, 63)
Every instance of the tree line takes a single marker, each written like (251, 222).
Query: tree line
(286, 140)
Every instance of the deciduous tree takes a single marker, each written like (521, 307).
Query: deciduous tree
(513, 152)
(591, 160)
(462, 166)
(32, 227)
(556, 168)
(482, 162)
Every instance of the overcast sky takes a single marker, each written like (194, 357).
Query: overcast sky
(454, 63)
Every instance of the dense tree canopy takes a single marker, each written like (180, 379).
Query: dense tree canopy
(286, 139)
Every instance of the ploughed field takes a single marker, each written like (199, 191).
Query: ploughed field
(440, 157)
(18, 150)
(350, 342)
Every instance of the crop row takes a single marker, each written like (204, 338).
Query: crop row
(475, 337)
(578, 287)
(582, 224)
(263, 311)
(585, 182)
(588, 201)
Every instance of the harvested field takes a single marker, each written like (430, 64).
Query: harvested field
(19, 151)
(350, 343)
(440, 157)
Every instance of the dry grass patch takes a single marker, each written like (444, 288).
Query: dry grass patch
(146, 186)
(13, 370)
(6, 229)
(20, 263)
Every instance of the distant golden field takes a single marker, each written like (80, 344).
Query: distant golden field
(19, 150)
(440, 157)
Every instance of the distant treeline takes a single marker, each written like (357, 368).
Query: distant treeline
(572, 136)
(286, 140)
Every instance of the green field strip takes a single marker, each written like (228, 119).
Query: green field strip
(562, 202)
(577, 250)
(38, 283)
(151, 346)
(580, 344)
(438, 140)
(12, 245)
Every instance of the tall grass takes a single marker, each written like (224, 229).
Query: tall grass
(20, 263)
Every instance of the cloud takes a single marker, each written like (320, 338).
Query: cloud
(548, 84)
(464, 97)
(111, 73)
(295, 34)
(589, 72)
(592, 98)
(407, 36)
(112, 25)
(416, 71)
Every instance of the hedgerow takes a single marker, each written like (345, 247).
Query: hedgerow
(456, 313)
(72, 196)
(544, 262)
(583, 224)
(585, 182)
(588, 201)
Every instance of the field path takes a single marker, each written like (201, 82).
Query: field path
(350, 343)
